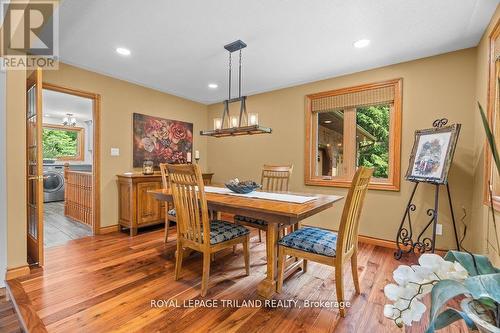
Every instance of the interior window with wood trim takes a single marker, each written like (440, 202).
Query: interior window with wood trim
(63, 142)
(351, 127)
(491, 174)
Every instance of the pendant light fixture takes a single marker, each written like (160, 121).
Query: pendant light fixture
(69, 120)
(245, 124)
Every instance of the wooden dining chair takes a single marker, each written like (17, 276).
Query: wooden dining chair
(170, 213)
(274, 178)
(195, 230)
(328, 247)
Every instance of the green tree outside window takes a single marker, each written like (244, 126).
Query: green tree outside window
(59, 143)
(375, 120)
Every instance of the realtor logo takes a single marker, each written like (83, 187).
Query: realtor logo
(29, 36)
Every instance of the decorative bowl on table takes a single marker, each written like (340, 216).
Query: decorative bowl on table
(243, 187)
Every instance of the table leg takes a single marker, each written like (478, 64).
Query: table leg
(267, 287)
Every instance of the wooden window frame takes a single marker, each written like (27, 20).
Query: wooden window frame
(393, 182)
(491, 103)
(80, 138)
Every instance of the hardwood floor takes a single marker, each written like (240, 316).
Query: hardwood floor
(58, 229)
(108, 282)
(8, 318)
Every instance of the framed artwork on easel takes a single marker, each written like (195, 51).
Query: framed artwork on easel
(430, 162)
(432, 154)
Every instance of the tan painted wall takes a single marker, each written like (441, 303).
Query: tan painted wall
(16, 169)
(119, 100)
(444, 85)
(440, 86)
(482, 232)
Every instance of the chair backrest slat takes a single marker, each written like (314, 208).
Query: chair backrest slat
(349, 224)
(188, 192)
(276, 177)
(163, 170)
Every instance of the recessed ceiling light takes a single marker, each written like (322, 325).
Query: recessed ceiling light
(123, 51)
(361, 43)
(213, 85)
(327, 121)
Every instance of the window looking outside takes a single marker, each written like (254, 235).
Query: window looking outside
(62, 143)
(352, 127)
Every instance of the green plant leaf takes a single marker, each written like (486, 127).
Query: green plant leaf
(488, 303)
(484, 265)
(449, 316)
(441, 293)
(490, 137)
(484, 286)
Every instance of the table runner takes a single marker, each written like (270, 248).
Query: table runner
(293, 198)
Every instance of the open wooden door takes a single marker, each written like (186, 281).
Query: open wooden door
(34, 167)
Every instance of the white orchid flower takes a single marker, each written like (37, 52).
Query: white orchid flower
(404, 274)
(416, 281)
(459, 273)
(390, 311)
(431, 261)
(414, 313)
(423, 273)
(393, 291)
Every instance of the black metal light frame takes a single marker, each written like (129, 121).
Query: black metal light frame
(226, 129)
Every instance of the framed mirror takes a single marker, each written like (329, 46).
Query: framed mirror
(63, 143)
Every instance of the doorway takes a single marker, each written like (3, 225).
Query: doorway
(63, 165)
(67, 136)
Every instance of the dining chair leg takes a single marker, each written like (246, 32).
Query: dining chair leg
(178, 260)
(246, 254)
(339, 286)
(304, 265)
(260, 236)
(206, 273)
(167, 226)
(354, 268)
(281, 268)
(212, 257)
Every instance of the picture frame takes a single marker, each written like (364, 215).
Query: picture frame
(432, 154)
(161, 140)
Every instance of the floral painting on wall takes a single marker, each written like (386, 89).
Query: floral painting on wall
(432, 154)
(161, 140)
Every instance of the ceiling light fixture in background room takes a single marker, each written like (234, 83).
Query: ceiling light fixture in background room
(69, 120)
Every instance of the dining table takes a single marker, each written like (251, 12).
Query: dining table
(278, 209)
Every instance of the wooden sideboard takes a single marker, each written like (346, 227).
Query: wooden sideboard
(136, 207)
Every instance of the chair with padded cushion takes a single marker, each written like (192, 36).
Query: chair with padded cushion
(274, 178)
(329, 247)
(193, 224)
(170, 215)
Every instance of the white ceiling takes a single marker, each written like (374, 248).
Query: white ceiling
(56, 105)
(177, 46)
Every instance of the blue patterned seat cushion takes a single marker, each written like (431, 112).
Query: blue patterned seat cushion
(172, 212)
(251, 220)
(314, 240)
(221, 231)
